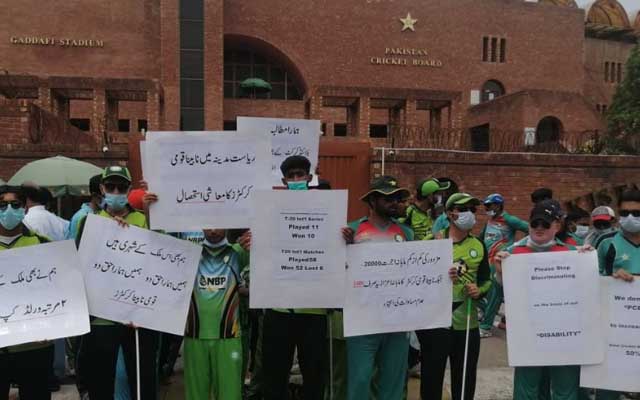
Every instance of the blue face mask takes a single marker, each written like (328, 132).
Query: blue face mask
(116, 202)
(11, 217)
(298, 185)
(630, 224)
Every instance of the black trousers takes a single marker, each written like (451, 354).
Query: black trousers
(99, 353)
(283, 333)
(30, 370)
(438, 345)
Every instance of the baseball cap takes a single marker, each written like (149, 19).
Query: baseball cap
(495, 198)
(430, 186)
(546, 211)
(116, 170)
(603, 213)
(385, 185)
(459, 199)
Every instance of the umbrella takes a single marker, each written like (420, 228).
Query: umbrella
(61, 175)
(255, 85)
(2, 182)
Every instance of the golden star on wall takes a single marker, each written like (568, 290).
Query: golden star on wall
(408, 23)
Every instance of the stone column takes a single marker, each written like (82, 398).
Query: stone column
(99, 112)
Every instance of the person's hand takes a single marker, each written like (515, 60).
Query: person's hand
(472, 290)
(453, 274)
(131, 325)
(585, 249)
(623, 275)
(148, 199)
(348, 235)
(245, 240)
(498, 259)
(122, 222)
(143, 185)
(243, 291)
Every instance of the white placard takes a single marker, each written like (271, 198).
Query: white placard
(552, 304)
(205, 179)
(42, 294)
(289, 137)
(136, 275)
(621, 322)
(398, 287)
(298, 254)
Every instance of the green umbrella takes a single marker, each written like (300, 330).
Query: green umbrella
(61, 175)
(255, 85)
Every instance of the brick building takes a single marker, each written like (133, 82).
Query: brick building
(459, 74)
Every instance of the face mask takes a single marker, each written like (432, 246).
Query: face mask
(221, 243)
(540, 247)
(582, 231)
(466, 220)
(297, 185)
(10, 218)
(115, 202)
(630, 224)
(491, 213)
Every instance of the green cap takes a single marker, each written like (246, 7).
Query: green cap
(116, 170)
(459, 199)
(385, 185)
(430, 186)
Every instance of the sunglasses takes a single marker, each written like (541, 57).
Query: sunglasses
(626, 213)
(13, 204)
(465, 209)
(111, 187)
(540, 223)
(393, 199)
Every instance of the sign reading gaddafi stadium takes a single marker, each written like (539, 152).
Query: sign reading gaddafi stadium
(54, 41)
(403, 57)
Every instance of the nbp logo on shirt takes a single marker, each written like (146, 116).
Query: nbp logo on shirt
(212, 283)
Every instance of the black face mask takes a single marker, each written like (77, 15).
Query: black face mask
(602, 225)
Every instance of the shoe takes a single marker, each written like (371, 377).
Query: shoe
(485, 333)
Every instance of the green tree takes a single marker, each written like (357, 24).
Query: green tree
(623, 117)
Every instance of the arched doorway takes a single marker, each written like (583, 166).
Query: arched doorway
(490, 90)
(548, 130)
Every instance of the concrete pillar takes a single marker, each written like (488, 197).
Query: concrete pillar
(111, 115)
(213, 66)
(99, 112)
(363, 117)
(314, 107)
(154, 107)
(170, 61)
(44, 98)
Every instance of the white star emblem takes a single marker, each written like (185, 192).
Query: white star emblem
(625, 257)
(408, 23)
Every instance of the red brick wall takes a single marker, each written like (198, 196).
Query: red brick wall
(513, 175)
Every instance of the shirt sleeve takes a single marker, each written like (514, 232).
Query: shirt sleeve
(517, 224)
(606, 257)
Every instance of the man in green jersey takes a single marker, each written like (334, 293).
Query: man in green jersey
(420, 214)
(471, 282)
(28, 364)
(99, 349)
(619, 255)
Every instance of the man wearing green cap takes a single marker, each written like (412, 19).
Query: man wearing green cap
(386, 352)
(420, 214)
(99, 348)
(472, 282)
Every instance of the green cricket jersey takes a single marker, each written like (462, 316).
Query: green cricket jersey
(618, 252)
(420, 221)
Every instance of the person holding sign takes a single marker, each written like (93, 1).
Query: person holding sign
(284, 331)
(29, 364)
(472, 281)
(99, 349)
(544, 225)
(385, 352)
(619, 256)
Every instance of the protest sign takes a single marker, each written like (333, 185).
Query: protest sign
(552, 303)
(620, 307)
(298, 254)
(398, 287)
(136, 275)
(289, 137)
(42, 294)
(204, 179)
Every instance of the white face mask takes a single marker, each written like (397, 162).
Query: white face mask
(466, 220)
(540, 247)
(582, 231)
(630, 224)
(491, 213)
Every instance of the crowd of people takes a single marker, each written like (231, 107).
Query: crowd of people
(225, 342)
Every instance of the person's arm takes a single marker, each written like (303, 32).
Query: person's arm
(78, 237)
(484, 273)
(606, 257)
(516, 223)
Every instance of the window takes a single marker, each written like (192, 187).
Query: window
(191, 65)
(142, 125)
(612, 72)
(242, 64)
(340, 130)
(491, 90)
(123, 125)
(378, 131)
(494, 49)
(480, 138)
(548, 130)
(84, 124)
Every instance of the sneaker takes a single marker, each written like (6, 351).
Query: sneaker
(485, 333)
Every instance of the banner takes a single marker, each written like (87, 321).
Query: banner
(204, 179)
(552, 308)
(621, 324)
(289, 137)
(136, 275)
(398, 287)
(42, 294)
(298, 254)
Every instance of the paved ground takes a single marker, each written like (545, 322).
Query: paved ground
(495, 378)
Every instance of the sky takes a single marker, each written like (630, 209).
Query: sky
(632, 6)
